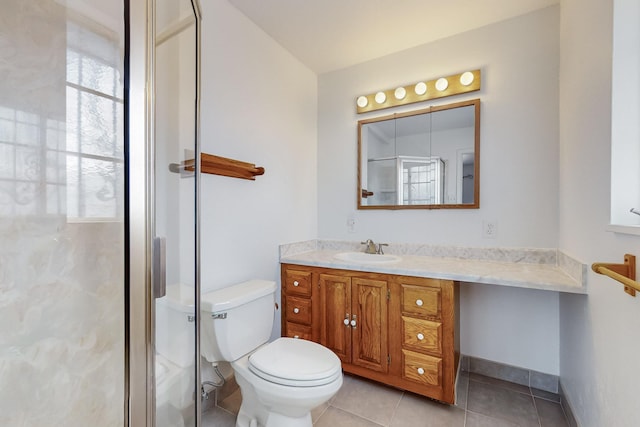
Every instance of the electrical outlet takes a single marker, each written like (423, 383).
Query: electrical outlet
(489, 229)
(351, 223)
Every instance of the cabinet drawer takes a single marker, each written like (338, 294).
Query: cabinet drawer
(420, 301)
(298, 310)
(298, 331)
(421, 368)
(422, 335)
(298, 283)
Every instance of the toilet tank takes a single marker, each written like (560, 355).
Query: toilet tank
(236, 320)
(175, 327)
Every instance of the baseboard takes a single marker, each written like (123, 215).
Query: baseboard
(527, 377)
(566, 407)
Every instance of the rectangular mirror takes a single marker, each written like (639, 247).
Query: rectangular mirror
(425, 159)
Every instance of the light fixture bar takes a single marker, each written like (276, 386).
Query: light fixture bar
(455, 84)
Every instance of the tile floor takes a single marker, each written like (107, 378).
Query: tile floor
(482, 402)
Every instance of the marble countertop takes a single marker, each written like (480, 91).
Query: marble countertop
(543, 275)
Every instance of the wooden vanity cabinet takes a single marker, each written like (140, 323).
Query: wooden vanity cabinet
(424, 312)
(353, 311)
(397, 330)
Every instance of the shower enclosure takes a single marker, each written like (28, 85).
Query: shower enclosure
(97, 98)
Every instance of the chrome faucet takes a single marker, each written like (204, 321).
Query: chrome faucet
(371, 247)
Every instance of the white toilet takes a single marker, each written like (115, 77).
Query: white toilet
(280, 381)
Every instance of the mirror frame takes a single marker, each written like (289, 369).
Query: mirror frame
(476, 167)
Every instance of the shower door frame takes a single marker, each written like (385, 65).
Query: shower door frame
(140, 33)
(139, 387)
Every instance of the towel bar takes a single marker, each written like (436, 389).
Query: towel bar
(220, 166)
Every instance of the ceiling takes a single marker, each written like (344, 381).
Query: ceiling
(328, 35)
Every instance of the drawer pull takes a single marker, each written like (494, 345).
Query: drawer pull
(419, 303)
(296, 310)
(296, 283)
(296, 336)
(420, 337)
(420, 371)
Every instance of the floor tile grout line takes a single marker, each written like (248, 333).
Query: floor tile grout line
(322, 413)
(356, 415)
(566, 417)
(395, 410)
(466, 400)
(535, 406)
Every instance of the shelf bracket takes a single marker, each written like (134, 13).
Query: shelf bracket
(624, 273)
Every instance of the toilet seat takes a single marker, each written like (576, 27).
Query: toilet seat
(295, 362)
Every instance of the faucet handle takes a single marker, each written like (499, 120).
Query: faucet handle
(380, 245)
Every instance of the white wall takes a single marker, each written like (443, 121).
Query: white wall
(599, 333)
(259, 105)
(518, 171)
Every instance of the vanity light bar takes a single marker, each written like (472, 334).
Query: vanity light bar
(469, 81)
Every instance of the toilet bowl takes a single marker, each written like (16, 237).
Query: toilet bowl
(280, 381)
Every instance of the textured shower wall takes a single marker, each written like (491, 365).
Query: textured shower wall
(61, 322)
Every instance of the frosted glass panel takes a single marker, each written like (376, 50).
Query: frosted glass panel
(61, 279)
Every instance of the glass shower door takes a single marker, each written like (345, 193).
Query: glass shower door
(177, 385)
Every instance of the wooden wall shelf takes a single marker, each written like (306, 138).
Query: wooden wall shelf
(223, 166)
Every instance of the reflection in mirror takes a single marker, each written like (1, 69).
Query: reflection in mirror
(426, 159)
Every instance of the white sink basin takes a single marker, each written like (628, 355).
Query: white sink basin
(363, 258)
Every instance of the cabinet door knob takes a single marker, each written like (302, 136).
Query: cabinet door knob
(420, 371)
(296, 310)
(346, 319)
(296, 283)
(353, 321)
(419, 303)
(420, 337)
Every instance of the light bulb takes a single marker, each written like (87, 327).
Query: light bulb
(380, 97)
(442, 84)
(466, 78)
(362, 101)
(421, 88)
(400, 93)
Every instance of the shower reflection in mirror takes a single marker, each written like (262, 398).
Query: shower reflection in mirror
(421, 159)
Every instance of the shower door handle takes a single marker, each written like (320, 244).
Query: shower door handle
(159, 267)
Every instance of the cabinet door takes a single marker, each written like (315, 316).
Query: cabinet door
(335, 300)
(369, 306)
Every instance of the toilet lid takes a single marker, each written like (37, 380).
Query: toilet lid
(295, 362)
